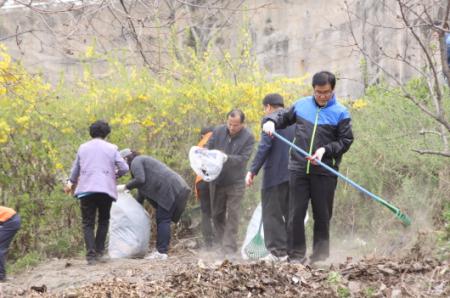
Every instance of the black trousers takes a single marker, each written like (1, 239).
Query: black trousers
(163, 221)
(7, 231)
(205, 204)
(95, 245)
(274, 201)
(320, 190)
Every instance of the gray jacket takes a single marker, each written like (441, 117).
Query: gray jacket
(238, 148)
(158, 183)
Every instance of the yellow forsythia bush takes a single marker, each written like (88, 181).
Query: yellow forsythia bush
(41, 127)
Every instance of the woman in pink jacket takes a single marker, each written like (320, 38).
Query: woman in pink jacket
(94, 172)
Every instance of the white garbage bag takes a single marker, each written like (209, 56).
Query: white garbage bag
(206, 163)
(129, 228)
(253, 227)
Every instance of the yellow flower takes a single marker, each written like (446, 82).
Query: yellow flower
(148, 122)
(86, 75)
(142, 97)
(67, 130)
(90, 51)
(4, 131)
(359, 104)
(127, 119)
(23, 121)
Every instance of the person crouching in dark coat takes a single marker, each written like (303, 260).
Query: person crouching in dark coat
(165, 189)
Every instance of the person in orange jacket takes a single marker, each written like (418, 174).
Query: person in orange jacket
(202, 194)
(9, 225)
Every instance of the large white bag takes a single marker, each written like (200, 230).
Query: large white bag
(253, 227)
(206, 163)
(129, 228)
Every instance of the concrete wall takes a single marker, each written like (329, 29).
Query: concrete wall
(293, 37)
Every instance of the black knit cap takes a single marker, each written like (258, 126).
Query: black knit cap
(273, 99)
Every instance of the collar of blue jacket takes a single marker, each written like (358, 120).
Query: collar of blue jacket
(331, 102)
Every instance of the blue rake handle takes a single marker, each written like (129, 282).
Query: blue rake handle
(403, 217)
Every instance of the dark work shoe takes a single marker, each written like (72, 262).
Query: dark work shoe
(91, 262)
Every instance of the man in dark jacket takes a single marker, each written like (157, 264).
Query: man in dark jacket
(227, 191)
(274, 155)
(165, 189)
(323, 129)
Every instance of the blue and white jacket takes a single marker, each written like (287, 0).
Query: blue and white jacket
(315, 127)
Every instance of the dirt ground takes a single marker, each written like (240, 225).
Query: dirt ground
(197, 273)
(64, 275)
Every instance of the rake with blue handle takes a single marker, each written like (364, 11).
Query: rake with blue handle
(403, 217)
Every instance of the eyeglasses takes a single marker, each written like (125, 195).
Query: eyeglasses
(322, 94)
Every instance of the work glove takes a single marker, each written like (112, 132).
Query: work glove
(317, 156)
(121, 188)
(249, 179)
(269, 127)
(69, 187)
(225, 157)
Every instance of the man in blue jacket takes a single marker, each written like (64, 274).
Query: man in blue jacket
(323, 129)
(274, 155)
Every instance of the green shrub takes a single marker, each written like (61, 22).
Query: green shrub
(27, 261)
(382, 160)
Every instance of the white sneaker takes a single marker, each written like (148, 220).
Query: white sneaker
(283, 258)
(156, 255)
(273, 258)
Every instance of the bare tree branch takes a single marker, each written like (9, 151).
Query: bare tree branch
(135, 35)
(223, 7)
(17, 34)
(70, 7)
(429, 72)
(437, 88)
(432, 152)
(433, 132)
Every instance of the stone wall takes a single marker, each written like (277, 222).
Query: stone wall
(290, 38)
(295, 37)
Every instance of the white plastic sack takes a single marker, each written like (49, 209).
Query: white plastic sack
(129, 228)
(253, 227)
(206, 163)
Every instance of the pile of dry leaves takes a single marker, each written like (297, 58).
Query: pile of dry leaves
(369, 277)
